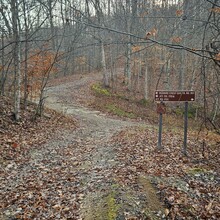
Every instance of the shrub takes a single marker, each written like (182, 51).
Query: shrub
(99, 90)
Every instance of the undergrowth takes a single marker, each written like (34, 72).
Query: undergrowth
(119, 112)
(99, 90)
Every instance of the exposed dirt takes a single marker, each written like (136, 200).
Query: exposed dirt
(103, 197)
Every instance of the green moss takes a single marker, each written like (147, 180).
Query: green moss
(179, 111)
(196, 170)
(112, 206)
(115, 186)
(98, 89)
(117, 111)
(154, 204)
(144, 102)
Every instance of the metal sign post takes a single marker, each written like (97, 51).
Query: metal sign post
(173, 96)
(159, 145)
(161, 109)
(185, 128)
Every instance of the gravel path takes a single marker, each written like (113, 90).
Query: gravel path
(75, 174)
(100, 190)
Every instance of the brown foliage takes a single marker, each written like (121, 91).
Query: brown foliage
(40, 64)
(179, 12)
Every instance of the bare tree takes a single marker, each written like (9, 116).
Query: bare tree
(181, 46)
(17, 58)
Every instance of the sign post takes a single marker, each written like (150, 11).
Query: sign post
(161, 109)
(185, 128)
(159, 145)
(174, 96)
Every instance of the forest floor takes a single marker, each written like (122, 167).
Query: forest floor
(84, 163)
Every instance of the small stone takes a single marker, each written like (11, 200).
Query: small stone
(76, 163)
(7, 213)
(18, 210)
(159, 213)
(133, 168)
(9, 166)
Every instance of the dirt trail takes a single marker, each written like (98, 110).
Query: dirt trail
(96, 123)
(102, 197)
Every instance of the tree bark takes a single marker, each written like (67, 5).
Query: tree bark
(2, 92)
(105, 72)
(146, 84)
(16, 56)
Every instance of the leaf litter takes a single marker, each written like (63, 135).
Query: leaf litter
(49, 170)
(188, 187)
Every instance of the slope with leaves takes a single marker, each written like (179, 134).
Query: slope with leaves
(17, 138)
(22, 178)
(188, 186)
(86, 171)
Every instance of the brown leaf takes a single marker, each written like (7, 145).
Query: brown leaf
(209, 206)
(167, 212)
(179, 12)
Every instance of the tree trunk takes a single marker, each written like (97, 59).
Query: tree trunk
(2, 92)
(182, 70)
(129, 50)
(6, 21)
(139, 70)
(128, 65)
(52, 28)
(16, 56)
(146, 84)
(168, 87)
(25, 57)
(105, 72)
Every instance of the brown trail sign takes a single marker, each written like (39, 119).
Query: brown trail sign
(173, 96)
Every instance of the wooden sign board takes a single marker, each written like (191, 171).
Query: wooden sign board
(174, 96)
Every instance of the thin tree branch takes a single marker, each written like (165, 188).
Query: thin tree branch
(213, 3)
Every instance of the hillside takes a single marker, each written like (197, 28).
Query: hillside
(84, 163)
